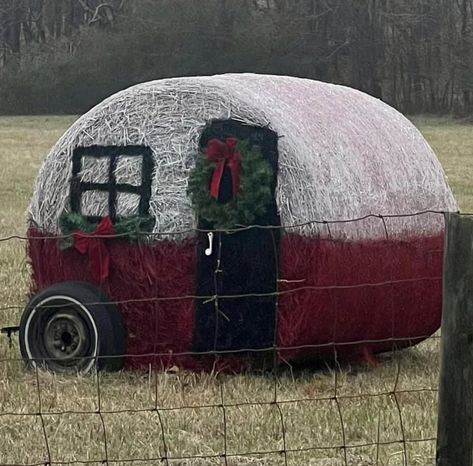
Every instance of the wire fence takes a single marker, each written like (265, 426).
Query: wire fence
(319, 396)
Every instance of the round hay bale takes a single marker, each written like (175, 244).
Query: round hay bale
(324, 280)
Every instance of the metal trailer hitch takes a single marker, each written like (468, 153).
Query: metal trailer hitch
(9, 331)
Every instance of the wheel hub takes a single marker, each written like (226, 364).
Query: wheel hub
(65, 335)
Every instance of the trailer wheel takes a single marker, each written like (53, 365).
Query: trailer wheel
(72, 327)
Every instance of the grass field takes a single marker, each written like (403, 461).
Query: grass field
(129, 427)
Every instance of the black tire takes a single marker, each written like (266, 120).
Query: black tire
(72, 327)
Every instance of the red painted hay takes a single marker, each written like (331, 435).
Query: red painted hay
(406, 311)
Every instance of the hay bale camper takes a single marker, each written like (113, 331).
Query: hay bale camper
(248, 188)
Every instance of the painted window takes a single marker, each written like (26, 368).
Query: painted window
(112, 181)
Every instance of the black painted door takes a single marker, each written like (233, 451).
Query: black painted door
(243, 265)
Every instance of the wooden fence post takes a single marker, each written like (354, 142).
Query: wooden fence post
(455, 418)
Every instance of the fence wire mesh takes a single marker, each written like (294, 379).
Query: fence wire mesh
(334, 411)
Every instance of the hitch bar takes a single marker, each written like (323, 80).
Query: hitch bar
(9, 331)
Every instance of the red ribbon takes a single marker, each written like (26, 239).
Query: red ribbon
(225, 154)
(95, 247)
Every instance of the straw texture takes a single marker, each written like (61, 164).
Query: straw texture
(342, 154)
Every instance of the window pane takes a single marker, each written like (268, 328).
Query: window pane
(129, 170)
(94, 169)
(94, 203)
(127, 204)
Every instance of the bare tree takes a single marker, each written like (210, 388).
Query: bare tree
(416, 55)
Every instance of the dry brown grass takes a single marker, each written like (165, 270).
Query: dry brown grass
(192, 431)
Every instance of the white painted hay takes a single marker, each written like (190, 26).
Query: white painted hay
(342, 153)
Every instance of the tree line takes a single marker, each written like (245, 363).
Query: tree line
(63, 56)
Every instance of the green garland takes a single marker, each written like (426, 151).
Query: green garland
(251, 202)
(132, 228)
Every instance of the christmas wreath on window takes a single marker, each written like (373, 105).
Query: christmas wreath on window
(251, 176)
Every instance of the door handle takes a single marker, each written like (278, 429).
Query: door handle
(210, 236)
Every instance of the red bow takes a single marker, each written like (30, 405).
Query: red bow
(96, 248)
(224, 154)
